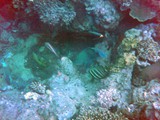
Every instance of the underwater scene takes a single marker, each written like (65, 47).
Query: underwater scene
(79, 59)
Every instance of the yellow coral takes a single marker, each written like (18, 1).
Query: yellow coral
(129, 43)
(129, 58)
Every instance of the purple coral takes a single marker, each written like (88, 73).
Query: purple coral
(54, 12)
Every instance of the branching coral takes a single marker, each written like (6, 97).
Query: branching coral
(91, 113)
(54, 12)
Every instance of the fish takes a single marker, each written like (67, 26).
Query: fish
(101, 53)
(96, 34)
(98, 72)
(50, 47)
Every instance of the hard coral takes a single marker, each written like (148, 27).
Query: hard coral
(129, 44)
(129, 58)
(108, 98)
(141, 11)
(91, 113)
(148, 96)
(38, 87)
(104, 12)
(54, 12)
(148, 50)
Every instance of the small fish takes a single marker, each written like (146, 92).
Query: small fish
(50, 47)
(98, 72)
(96, 34)
(101, 53)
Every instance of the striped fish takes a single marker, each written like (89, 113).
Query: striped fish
(98, 72)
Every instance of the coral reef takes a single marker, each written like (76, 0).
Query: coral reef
(67, 66)
(108, 98)
(17, 4)
(13, 101)
(147, 97)
(38, 87)
(141, 10)
(19, 59)
(97, 113)
(83, 36)
(129, 44)
(54, 12)
(31, 95)
(129, 58)
(68, 91)
(141, 40)
(104, 13)
(148, 50)
(116, 92)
